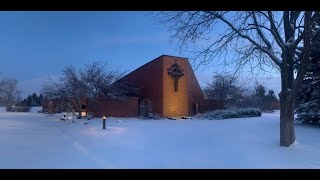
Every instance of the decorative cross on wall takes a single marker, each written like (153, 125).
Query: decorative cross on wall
(176, 73)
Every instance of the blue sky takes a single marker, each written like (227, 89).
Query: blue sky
(35, 45)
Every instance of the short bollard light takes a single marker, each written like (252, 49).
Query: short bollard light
(104, 122)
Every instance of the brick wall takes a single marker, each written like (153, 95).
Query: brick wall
(49, 105)
(149, 80)
(195, 93)
(175, 103)
(156, 84)
(114, 108)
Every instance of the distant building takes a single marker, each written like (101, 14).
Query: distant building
(167, 81)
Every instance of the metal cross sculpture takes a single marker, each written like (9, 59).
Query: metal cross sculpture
(176, 73)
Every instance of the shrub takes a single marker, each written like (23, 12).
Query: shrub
(63, 107)
(18, 108)
(232, 113)
(145, 107)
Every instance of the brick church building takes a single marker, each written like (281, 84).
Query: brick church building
(167, 81)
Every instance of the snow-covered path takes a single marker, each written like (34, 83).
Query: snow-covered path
(34, 140)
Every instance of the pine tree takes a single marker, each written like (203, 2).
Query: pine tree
(308, 100)
(29, 100)
(270, 100)
(40, 99)
(260, 91)
(34, 100)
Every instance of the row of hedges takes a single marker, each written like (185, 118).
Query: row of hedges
(232, 113)
(18, 108)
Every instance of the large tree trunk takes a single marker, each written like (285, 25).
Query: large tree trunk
(287, 134)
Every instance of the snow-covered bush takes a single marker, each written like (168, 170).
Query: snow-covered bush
(308, 112)
(232, 113)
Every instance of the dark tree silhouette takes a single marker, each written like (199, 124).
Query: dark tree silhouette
(90, 82)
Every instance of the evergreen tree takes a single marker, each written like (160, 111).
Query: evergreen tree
(25, 102)
(264, 101)
(308, 99)
(260, 92)
(29, 100)
(308, 109)
(270, 100)
(34, 100)
(40, 99)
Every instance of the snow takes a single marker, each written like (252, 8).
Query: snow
(290, 42)
(36, 140)
(2, 109)
(35, 109)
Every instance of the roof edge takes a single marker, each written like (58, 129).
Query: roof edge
(164, 55)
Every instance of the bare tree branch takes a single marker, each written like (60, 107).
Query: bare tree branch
(265, 40)
(258, 25)
(91, 82)
(267, 51)
(275, 32)
(306, 55)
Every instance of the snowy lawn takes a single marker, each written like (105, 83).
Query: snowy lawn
(35, 140)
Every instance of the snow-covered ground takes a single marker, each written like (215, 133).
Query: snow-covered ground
(35, 140)
(35, 109)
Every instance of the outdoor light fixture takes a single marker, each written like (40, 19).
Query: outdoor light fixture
(104, 122)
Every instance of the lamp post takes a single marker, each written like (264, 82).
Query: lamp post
(73, 114)
(104, 122)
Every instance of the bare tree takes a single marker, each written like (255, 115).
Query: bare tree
(258, 39)
(226, 88)
(90, 82)
(9, 93)
(69, 87)
(102, 83)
